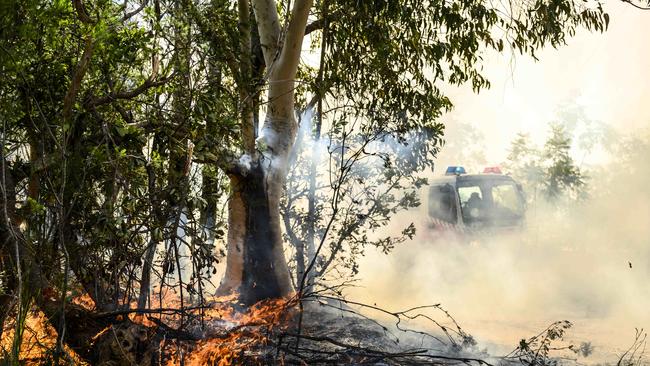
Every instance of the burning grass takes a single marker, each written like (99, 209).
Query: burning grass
(38, 341)
(222, 332)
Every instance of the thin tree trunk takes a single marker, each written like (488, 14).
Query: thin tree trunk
(156, 211)
(246, 87)
(155, 236)
(311, 207)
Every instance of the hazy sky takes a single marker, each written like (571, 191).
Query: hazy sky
(605, 73)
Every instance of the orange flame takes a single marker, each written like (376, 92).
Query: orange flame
(249, 332)
(231, 337)
(38, 339)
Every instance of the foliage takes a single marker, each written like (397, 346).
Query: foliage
(550, 170)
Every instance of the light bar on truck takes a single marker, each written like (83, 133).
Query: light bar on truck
(455, 170)
(492, 170)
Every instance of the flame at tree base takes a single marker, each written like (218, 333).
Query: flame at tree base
(232, 337)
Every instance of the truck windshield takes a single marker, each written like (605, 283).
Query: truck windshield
(490, 202)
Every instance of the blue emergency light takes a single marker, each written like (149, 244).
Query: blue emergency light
(455, 170)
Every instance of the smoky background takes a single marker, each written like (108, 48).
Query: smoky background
(586, 261)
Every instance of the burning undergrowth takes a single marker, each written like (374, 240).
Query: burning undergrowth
(219, 333)
(38, 339)
(318, 329)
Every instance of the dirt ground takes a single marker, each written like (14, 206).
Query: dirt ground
(503, 289)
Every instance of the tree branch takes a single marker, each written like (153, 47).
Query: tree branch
(268, 25)
(290, 53)
(318, 24)
(636, 6)
(75, 84)
(81, 12)
(130, 94)
(129, 15)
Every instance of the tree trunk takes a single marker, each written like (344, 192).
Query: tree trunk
(158, 219)
(256, 268)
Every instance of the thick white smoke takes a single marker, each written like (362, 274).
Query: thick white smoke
(587, 263)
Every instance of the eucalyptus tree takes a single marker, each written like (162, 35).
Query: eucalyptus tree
(382, 65)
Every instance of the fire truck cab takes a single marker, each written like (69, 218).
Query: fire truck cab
(473, 202)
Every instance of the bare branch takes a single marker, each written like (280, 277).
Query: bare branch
(79, 74)
(129, 15)
(129, 94)
(636, 5)
(319, 24)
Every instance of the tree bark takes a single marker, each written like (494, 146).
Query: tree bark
(256, 268)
